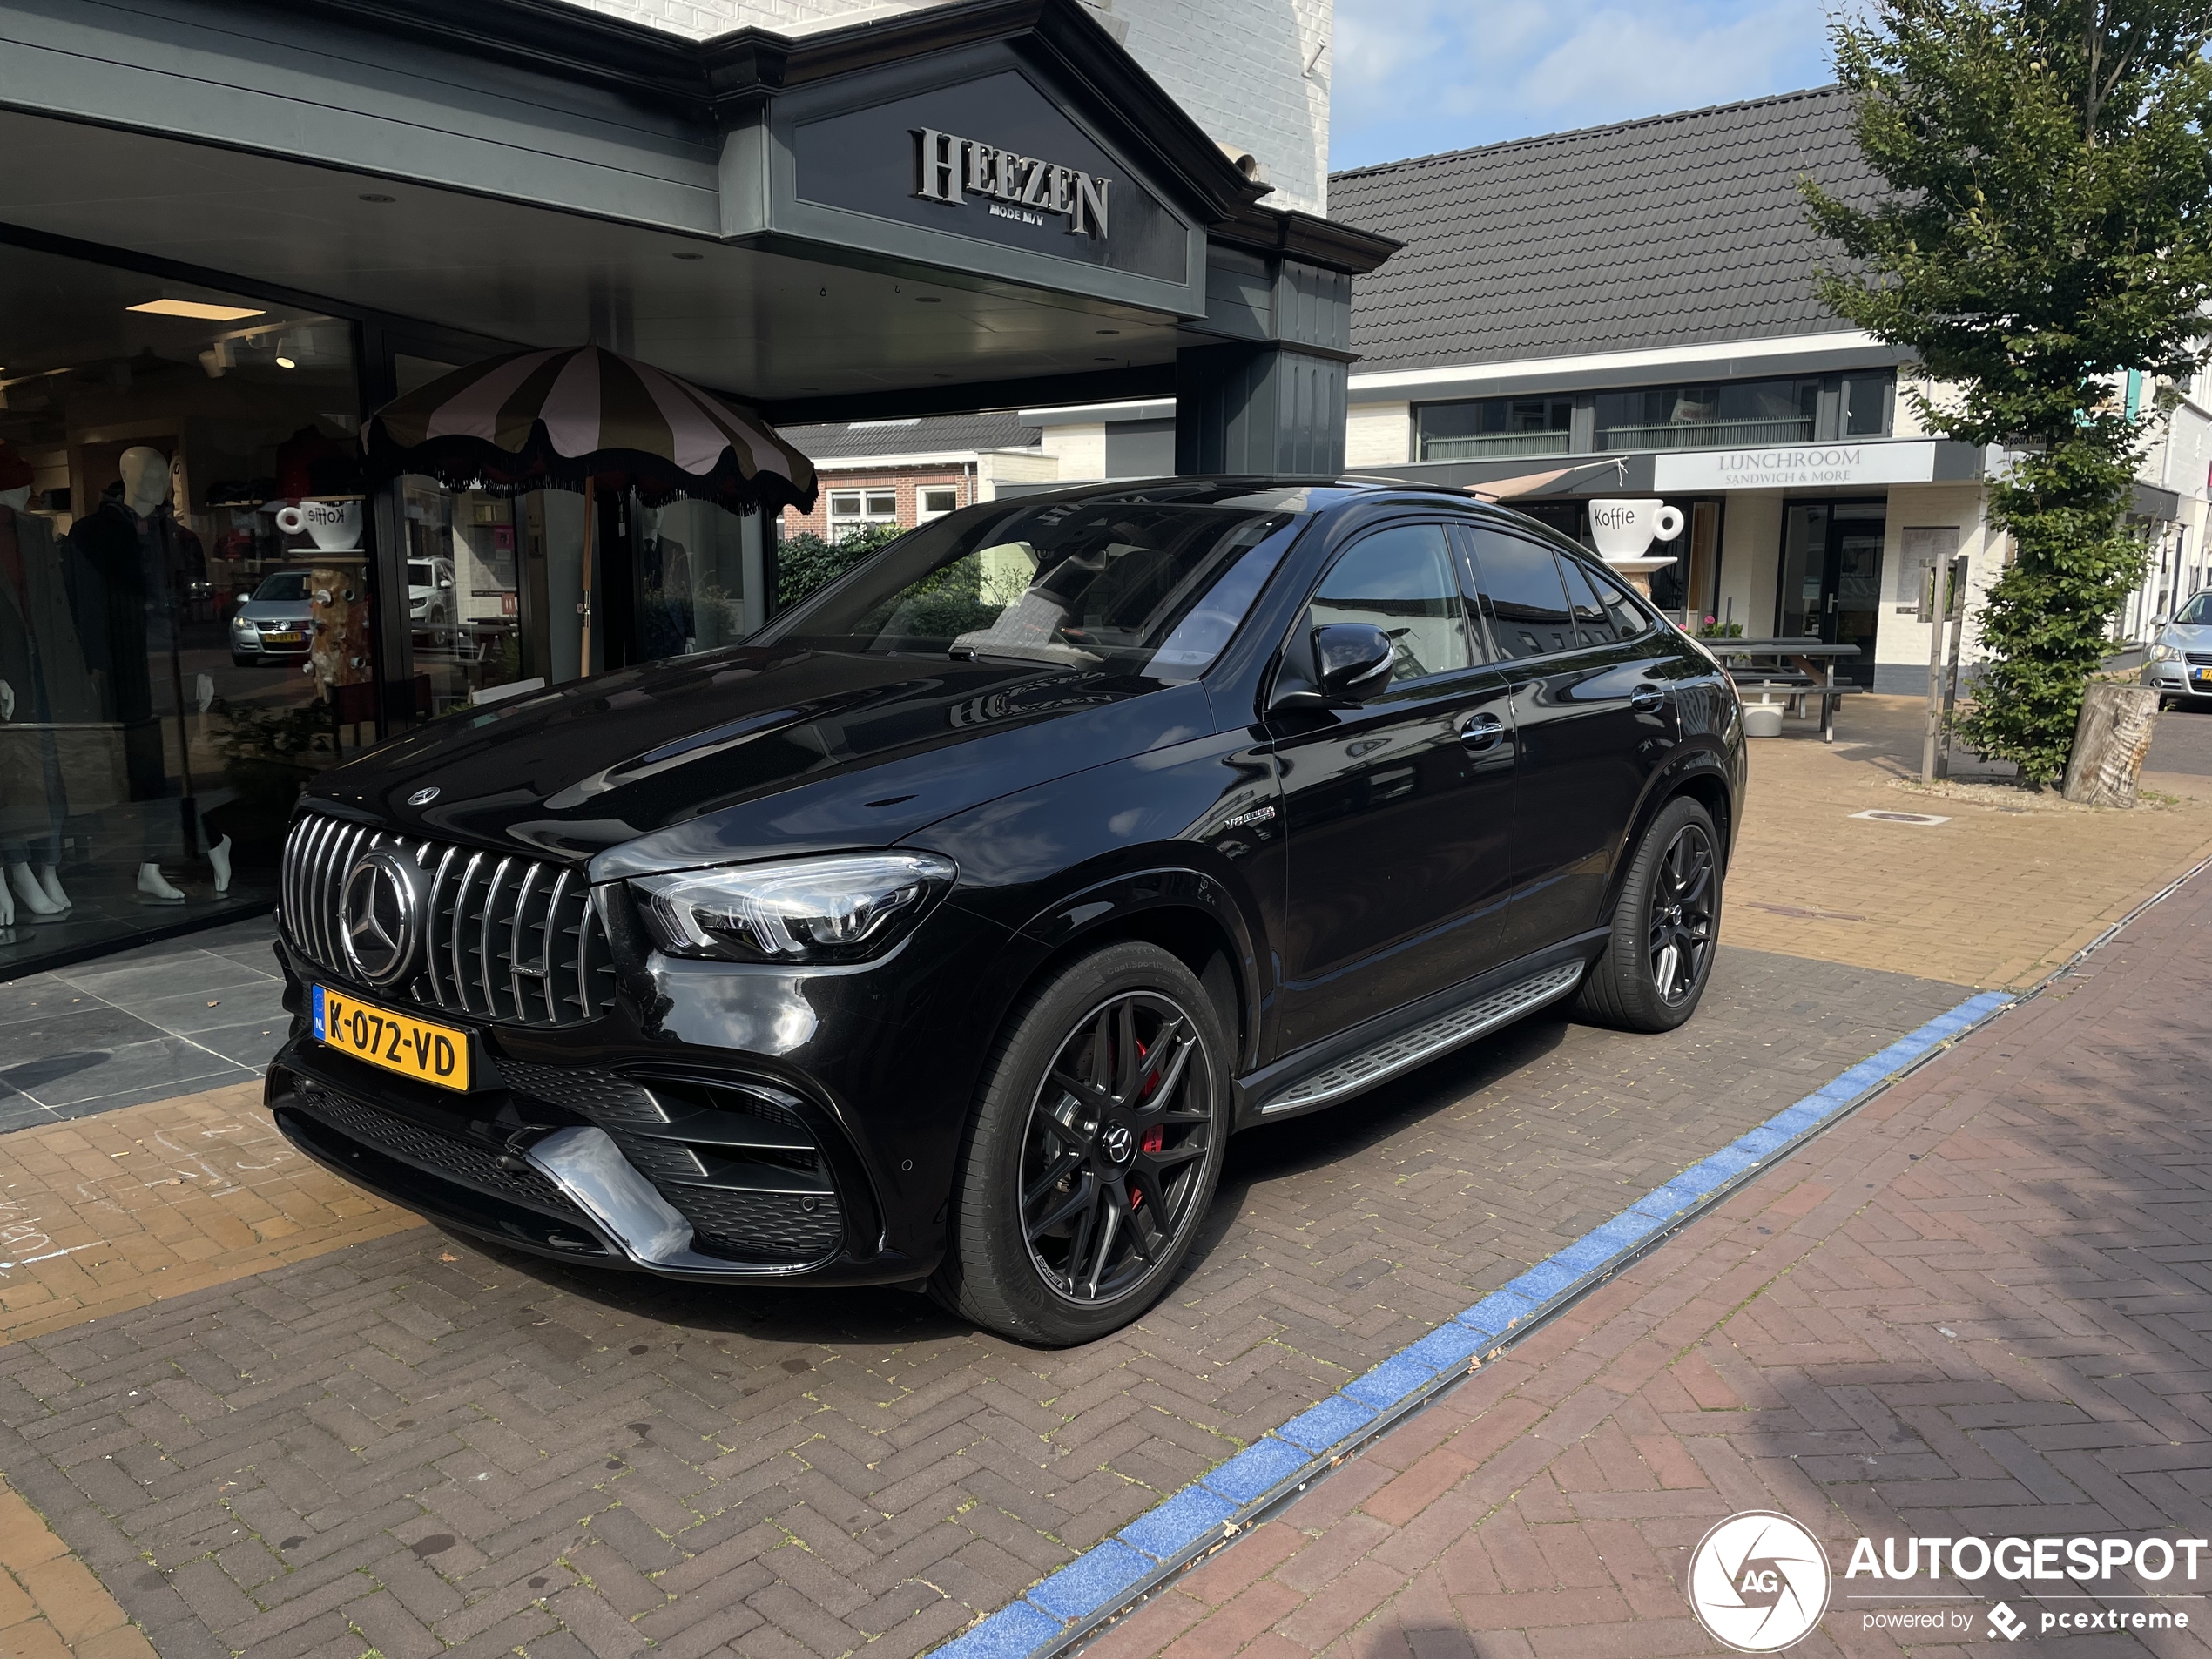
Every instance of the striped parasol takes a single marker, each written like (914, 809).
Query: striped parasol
(575, 418)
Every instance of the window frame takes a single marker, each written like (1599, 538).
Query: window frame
(1471, 579)
(1299, 645)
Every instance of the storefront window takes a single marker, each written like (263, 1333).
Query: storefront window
(185, 614)
(1496, 427)
(1704, 417)
(696, 570)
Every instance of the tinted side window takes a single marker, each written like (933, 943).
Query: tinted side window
(1592, 625)
(1519, 582)
(1630, 618)
(1400, 580)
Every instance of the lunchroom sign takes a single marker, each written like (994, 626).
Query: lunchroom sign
(949, 169)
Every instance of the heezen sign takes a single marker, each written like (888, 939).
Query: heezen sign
(949, 169)
(1796, 466)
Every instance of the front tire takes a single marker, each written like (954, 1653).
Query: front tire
(1665, 927)
(1093, 1152)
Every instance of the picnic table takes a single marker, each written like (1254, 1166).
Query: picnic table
(1809, 672)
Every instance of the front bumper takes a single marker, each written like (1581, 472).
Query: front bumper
(2178, 678)
(513, 1167)
(259, 644)
(717, 1125)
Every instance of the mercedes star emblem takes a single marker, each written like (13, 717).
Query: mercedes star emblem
(1118, 1143)
(423, 796)
(379, 915)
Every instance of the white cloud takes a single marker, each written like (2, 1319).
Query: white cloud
(1414, 77)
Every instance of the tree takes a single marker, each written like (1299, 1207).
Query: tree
(2048, 224)
(805, 561)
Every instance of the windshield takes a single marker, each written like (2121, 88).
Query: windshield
(2197, 612)
(284, 584)
(1153, 582)
(419, 574)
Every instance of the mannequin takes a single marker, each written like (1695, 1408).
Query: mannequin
(126, 613)
(47, 682)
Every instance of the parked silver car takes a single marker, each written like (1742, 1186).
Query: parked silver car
(274, 625)
(2181, 657)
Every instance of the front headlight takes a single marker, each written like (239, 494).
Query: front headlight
(2162, 652)
(844, 908)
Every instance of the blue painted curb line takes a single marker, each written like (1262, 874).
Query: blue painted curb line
(1107, 1578)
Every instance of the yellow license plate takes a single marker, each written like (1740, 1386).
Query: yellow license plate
(431, 1053)
(279, 639)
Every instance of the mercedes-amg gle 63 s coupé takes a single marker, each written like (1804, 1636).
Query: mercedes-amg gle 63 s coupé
(943, 933)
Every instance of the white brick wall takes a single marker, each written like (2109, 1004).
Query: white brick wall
(1240, 67)
(1377, 434)
(1253, 73)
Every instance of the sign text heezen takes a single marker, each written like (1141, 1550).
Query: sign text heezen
(949, 169)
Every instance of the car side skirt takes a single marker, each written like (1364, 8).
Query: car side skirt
(1489, 1002)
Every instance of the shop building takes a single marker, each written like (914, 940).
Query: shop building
(233, 228)
(1632, 308)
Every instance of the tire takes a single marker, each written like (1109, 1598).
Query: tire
(1666, 926)
(1054, 1118)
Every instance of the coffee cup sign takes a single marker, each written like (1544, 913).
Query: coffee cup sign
(1623, 529)
(335, 525)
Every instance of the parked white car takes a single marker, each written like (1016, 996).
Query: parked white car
(430, 594)
(2180, 665)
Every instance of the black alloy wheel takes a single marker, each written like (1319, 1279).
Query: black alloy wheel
(1682, 914)
(1093, 1154)
(1118, 1137)
(1659, 957)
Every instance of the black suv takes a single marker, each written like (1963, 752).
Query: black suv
(944, 931)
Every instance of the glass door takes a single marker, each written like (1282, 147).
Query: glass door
(1830, 586)
(1854, 594)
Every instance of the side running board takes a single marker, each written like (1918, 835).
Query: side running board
(1425, 1041)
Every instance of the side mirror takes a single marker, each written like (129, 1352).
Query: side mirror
(1352, 661)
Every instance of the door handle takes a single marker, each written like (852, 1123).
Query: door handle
(1482, 731)
(1647, 699)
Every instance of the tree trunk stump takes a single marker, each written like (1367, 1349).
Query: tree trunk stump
(2110, 741)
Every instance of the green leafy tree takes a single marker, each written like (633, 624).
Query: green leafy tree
(805, 561)
(2048, 223)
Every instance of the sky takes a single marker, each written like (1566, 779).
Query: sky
(1415, 76)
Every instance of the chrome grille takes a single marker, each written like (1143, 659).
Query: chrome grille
(510, 938)
(2200, 658)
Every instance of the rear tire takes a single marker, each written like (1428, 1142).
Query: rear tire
(1666, 926)
(1093, 1154)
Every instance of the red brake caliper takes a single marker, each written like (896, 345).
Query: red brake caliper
(1155, 1137)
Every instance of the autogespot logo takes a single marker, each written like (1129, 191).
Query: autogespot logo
(1758, 1583)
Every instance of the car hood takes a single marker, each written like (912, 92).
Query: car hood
(2184, 636)
(274, 610)
(755, 752)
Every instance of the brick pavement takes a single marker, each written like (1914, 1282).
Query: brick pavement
(413, 1442)
(1978, 1307)
(108, 1213)
(1994, 898)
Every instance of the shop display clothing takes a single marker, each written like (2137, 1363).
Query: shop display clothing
(55, 758)
(125, 596)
